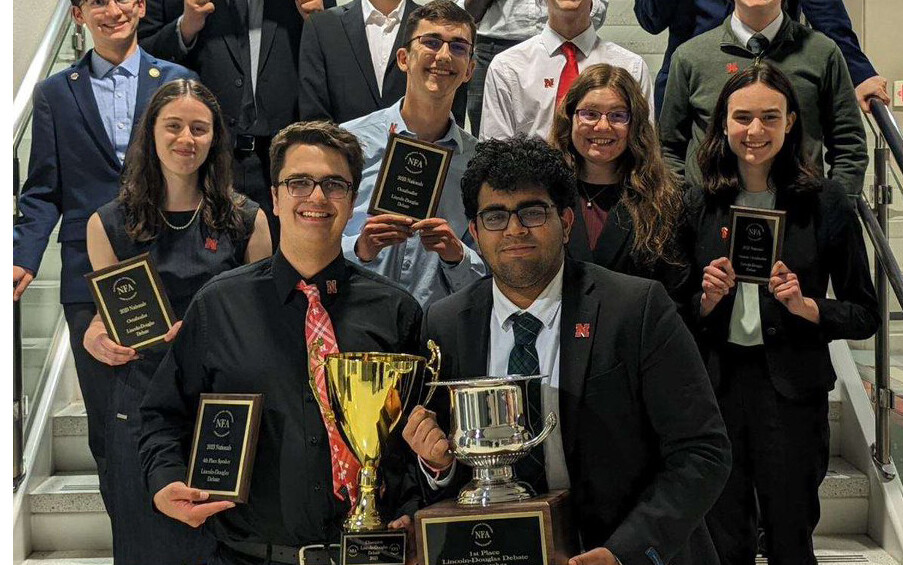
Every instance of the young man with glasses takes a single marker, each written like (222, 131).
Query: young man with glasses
(640, 442)
(525, 83)
(348, 67)
(430, 258)
(251, 330)
(83, 122)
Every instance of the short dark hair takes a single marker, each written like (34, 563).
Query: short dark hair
(324, 134)
(439, 11)
(514, 164)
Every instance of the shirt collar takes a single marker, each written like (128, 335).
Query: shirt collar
(545, 307)
(330, 281)
(452, 138)
(743, 32)
(374, 16)
(552, 41)
(100, 67)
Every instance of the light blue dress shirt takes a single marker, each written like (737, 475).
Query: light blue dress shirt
(116, 90)
(420, 272)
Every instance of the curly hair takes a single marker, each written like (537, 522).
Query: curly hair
(516, 163)
(791, 170)
(651, 192)
(143, 187)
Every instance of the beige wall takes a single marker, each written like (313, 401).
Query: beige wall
(30, 19)
(879, 24)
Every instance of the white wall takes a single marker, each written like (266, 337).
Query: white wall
(30, 19)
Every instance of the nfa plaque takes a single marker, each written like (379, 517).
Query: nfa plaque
(224, 445)
(756, 238)
(131, 302)
(411, 178)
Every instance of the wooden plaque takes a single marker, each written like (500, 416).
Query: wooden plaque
(756, 238)
(411, 178)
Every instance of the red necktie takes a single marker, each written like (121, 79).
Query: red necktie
(321, 342)
(569, 72)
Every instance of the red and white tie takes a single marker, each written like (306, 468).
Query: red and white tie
(320, 343)
(570, 71)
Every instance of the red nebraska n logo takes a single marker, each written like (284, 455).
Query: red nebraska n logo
(582, 330)
(331, 287)
(210, 244)
(549, 82)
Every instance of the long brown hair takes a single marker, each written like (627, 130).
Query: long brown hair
(143, 188)
(791, 170)
(650, 189)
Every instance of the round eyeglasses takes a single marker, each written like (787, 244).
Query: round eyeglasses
(302, 187)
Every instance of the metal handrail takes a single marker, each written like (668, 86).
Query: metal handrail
(888, 142)
(38, 69)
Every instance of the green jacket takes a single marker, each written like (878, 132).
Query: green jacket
(814, 64)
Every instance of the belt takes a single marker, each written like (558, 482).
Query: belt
(248, 143)
(314, 554)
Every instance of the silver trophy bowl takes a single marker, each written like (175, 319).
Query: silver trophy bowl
(488, 433)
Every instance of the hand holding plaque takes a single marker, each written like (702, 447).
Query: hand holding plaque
(756, 238)
(411, 178)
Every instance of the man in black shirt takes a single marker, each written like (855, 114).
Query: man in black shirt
(245, 333)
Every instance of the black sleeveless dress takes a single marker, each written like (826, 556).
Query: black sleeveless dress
(186, 259)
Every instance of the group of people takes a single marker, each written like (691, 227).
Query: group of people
(583, 238)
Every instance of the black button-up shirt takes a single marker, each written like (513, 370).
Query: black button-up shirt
(244, 332)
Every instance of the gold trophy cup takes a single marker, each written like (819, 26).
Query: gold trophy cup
(368, 393)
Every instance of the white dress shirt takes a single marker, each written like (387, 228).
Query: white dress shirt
(522, 82)
(744, 32)
(382, 29)
(517, 20)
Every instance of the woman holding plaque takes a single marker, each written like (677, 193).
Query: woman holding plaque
(766, 343)
(176, 203)
(629, 204)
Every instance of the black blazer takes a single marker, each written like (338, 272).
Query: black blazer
(222, 59)
(336, 77)
(822, 239)
(614, 251)
(645, 446)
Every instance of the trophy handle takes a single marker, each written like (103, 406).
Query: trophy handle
(551, 422)
(433, 366)
(313, 353)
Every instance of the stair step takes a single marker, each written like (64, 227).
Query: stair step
(844, 500)
(70, 440)
(79, 557)
(67, 513)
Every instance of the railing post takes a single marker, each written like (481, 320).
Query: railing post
(78, 41)
(883, 396)
(18, 407)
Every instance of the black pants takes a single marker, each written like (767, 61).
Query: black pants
(251, 171)
(780, 455)
(484, 52)
(95, 380)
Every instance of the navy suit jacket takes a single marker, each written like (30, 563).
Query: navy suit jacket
(73, 169)
(688, 18)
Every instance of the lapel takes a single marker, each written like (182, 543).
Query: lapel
(614, 236)
(150, 78)
(409, 6)
(79, 80)
(473, 333)
(237, 39)
(579, 305)
(355, 31)
(267, 34)
(578, 242)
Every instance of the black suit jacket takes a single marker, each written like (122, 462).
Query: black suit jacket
(645, 446)
(222, 59)
(822, 239)
(337, 79)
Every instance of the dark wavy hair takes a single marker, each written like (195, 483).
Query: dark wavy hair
(143, 188)
(650, 190)
(516, 163)
(791, 170)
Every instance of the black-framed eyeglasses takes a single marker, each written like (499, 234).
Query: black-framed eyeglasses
(531, 216)
(302, 187)
(457, 47)
(102, 4)
(591, 117)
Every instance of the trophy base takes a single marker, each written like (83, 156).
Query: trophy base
(480, 493)
(537, 531)
(385, 547)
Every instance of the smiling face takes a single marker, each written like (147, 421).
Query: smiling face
(113, 26)
(312, 222)
(602, 144)
(522, 258)
(183, 134)
(757, 122)
(435, 74)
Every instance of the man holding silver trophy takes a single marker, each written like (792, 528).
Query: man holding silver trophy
(641, 444)
(276, 328)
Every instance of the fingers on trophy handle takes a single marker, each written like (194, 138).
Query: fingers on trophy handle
(551, 422)
(433, 366)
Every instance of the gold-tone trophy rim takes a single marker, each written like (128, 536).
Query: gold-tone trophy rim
(375, 356)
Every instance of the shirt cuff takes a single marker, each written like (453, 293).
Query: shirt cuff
(433, 482)
(184, 48)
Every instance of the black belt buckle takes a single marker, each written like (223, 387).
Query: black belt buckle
(317, 554)
(245, 143)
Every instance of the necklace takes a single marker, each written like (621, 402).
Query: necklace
(590, 199)
(193, 216)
